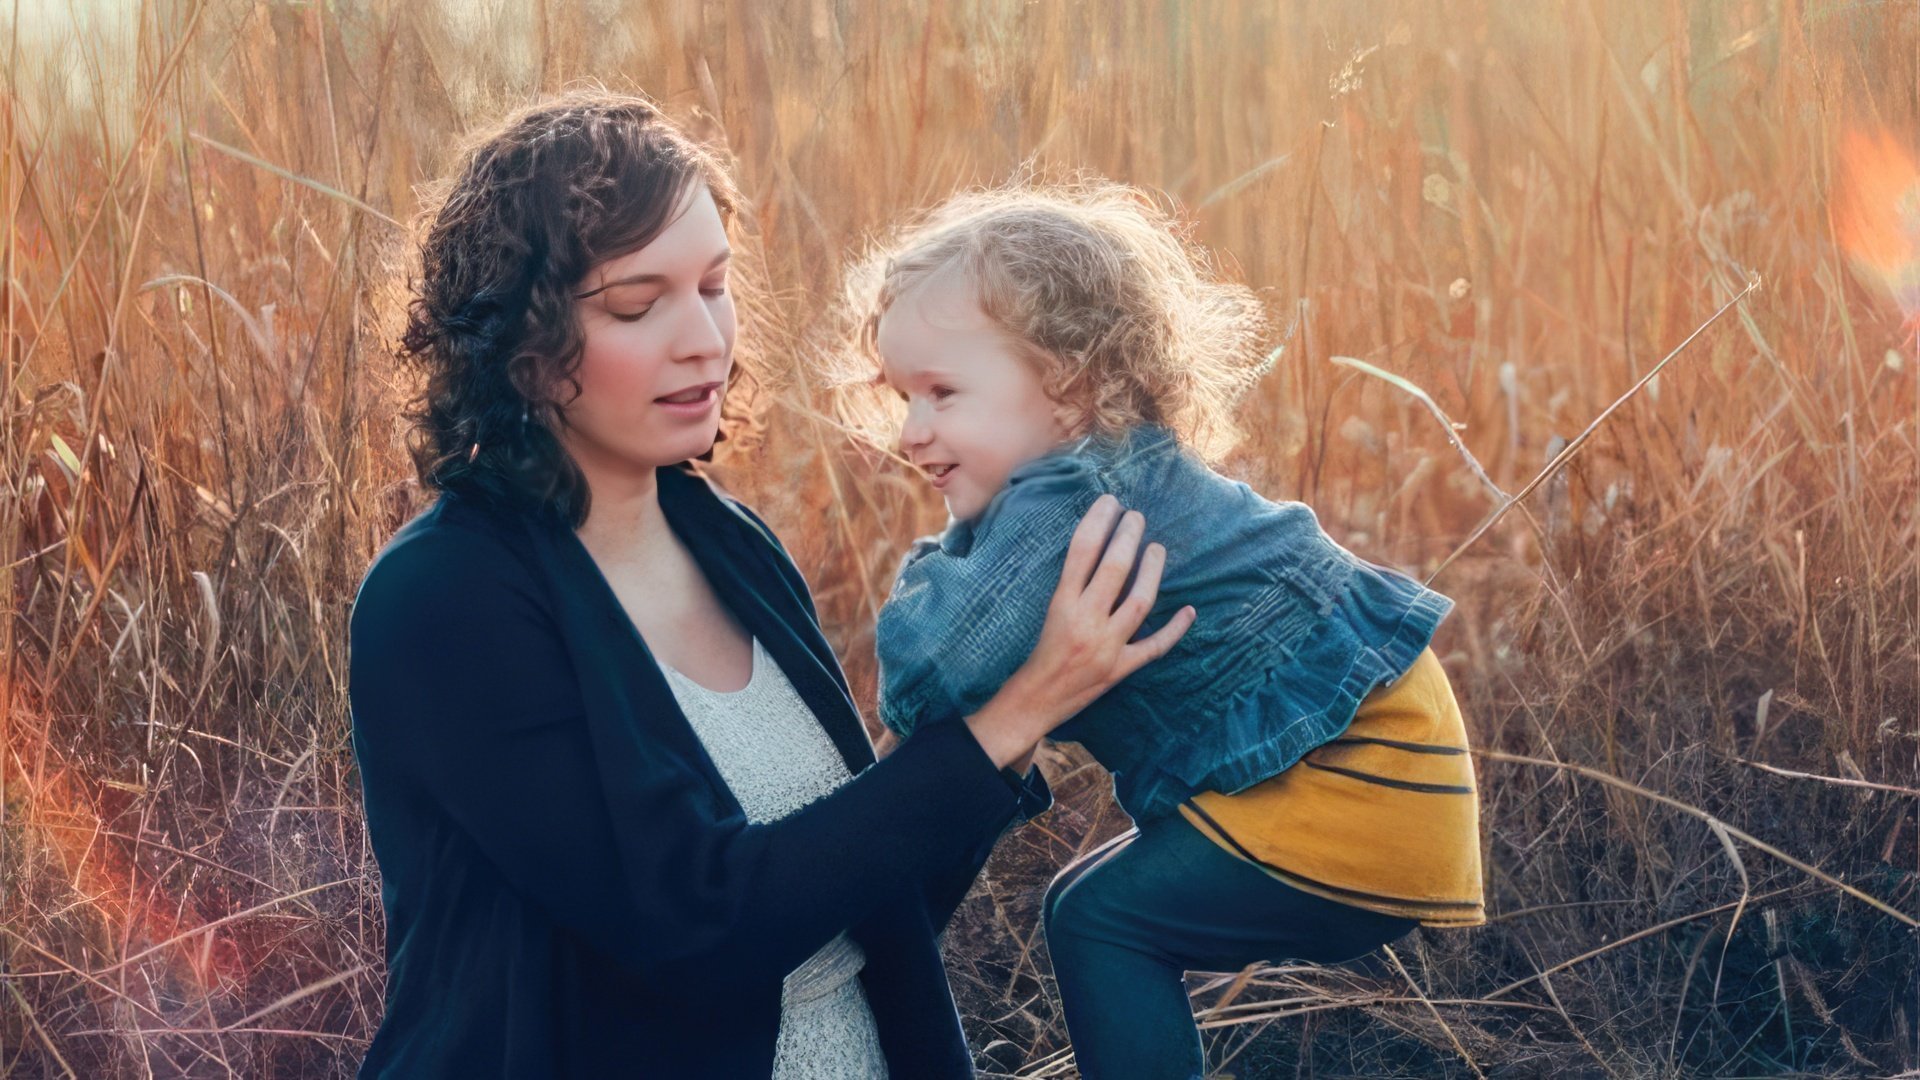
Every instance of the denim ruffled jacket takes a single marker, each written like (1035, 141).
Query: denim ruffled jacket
(1292, 631)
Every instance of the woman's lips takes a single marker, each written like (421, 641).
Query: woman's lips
(691, 402)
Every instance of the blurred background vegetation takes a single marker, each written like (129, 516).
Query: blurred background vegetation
(1519, 209)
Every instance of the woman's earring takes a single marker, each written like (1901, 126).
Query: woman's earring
(524, 416)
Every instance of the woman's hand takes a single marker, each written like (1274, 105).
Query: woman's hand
(1086, 644)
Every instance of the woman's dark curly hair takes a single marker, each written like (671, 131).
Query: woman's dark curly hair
(532, 203)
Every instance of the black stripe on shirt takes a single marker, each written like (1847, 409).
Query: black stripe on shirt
(1416, 747)
(1387, 781)
(1356, 894)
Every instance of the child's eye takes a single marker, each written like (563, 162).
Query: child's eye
(635, 317)
(940, 392)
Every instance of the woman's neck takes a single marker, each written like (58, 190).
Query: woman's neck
(624, 519)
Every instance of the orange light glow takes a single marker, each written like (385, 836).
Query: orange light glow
(1877, 216)
(48, 802)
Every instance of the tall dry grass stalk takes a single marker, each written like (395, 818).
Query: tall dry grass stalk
(1515, 211)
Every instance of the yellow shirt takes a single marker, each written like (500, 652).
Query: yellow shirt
(1384, 817)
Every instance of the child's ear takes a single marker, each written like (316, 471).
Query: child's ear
(1067, 419)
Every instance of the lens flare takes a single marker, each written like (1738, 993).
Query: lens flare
(1876, 215)
(57, 815)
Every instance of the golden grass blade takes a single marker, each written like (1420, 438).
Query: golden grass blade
(1840, 781)
(1710, 820)
(305, 181)
(1502, 501)
(26, 1010)
(304, 992)
(1452, 429)
(1421, 994)
(1566, 454)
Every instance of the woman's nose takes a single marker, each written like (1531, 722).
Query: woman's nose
(697, 335)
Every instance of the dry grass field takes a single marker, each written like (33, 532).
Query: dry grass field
(1690, 655)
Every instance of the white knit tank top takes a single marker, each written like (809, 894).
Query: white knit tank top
(776, 758)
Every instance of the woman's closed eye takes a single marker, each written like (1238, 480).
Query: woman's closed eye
(629, 303)
(710, 291)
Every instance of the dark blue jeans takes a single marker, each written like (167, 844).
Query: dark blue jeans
(1128, 920)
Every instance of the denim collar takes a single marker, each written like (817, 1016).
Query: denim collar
(1105, 453)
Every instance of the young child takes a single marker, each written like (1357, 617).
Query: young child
(1297, 766)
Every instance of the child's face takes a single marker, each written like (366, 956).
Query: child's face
(975, 408)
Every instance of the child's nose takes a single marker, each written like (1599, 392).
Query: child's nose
(914, 430)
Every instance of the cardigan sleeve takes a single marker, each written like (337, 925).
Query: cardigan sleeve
(454, 664)
(945, 890)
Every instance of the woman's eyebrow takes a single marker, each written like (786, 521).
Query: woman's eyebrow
(651, 279)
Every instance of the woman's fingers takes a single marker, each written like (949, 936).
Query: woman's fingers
(1084, 644)
(1146, 589)
(1104, 590)
(1140, 653)
(1084, 549)
(1129, 616)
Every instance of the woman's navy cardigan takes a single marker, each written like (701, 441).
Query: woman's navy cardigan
(570, 888)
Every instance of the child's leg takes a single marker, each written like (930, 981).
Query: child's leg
(1125, 923)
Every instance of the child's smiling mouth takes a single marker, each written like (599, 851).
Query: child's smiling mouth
(940, 473)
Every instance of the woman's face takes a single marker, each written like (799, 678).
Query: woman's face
(659, 328)
(976, 409)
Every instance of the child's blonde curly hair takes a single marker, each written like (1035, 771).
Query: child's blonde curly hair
(1127, 320)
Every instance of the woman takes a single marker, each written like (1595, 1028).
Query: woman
(627, 818)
